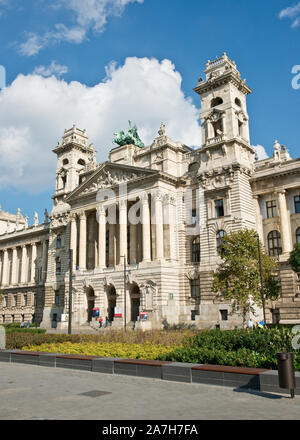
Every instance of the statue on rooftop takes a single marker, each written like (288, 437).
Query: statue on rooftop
(131, 137)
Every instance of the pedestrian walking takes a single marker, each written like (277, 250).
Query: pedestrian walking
(27, 324)
(100, 322)
(22, 324)
(106, 321)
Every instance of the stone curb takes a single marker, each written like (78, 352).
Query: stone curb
(253, 379)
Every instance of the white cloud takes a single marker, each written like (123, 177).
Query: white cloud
(53, 69)
(86, 15)
(292, 12)
(35, 111)
(261, 152)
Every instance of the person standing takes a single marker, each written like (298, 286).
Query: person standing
(250, 323)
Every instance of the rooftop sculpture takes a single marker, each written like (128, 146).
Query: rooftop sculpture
(131, 137)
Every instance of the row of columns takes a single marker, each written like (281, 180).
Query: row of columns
(24, 261)
(123, 224)
(285, 227)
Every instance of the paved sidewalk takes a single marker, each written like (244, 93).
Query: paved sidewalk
(34, 392)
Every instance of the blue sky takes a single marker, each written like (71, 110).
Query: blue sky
(109, 68)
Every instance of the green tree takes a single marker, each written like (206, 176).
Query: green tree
(238, 276)
(294, 260)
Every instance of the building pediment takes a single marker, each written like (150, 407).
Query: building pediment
(110, 175)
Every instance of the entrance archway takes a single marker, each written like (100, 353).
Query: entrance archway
(111, 302)
(90, 296)
(135, 300)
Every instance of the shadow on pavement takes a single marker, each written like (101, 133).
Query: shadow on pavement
(260, 393)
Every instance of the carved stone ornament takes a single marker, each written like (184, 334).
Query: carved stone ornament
(148, 290)
(192, 274)
(59, 220)
(107, 281)
(108, 179)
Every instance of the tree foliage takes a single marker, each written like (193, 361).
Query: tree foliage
(294, 260)
(238, 276)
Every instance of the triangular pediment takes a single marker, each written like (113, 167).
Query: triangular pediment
(109, 175)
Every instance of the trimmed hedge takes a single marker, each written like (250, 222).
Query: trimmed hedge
(25, 330)
(249, 348)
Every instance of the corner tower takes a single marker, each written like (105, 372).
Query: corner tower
(73, 155)
(224, 114)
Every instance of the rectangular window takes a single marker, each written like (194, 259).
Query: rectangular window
(219, 208)
(194, 217)
(35, 300)
(297, 204)
(25, 300)
(195, 287)
(272, 209)
(56, 299)
(224, 315)
(15, 301)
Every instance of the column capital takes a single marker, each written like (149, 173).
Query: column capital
(144, 199)
(82, 215)
(281, 191)
(256, 196)
(73, 216)
(158, 196)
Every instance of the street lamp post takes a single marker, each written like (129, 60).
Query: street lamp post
(70, 290)
(261, 280)
(124, 291)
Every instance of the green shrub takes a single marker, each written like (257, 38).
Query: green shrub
(250, 348)
(25, 330)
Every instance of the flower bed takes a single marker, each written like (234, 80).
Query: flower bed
(122, 350)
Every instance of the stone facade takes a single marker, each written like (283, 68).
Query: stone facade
(163, 209)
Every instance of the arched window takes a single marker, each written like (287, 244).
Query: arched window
(58, 266)
(238, 102)
(274, 243)
(81, 162)
(58, 242)
(298, 236)
(216, 101)
(220, 235)
(196, 250)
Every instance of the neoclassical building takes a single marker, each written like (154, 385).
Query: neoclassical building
(145, 227)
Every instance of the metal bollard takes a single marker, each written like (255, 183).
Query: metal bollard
(286, 373)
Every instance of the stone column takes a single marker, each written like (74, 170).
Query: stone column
(146, 229)
(172, 220)
(5, 268)
(33, 263)
(82, 241)
(14, 271)
(132, 245)
(44, 260)
(23, 264)
(123, 229)
(284, 223)
(101, 237)
(112, 249)
(258, 217)
(73, 239)
(159, 227)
